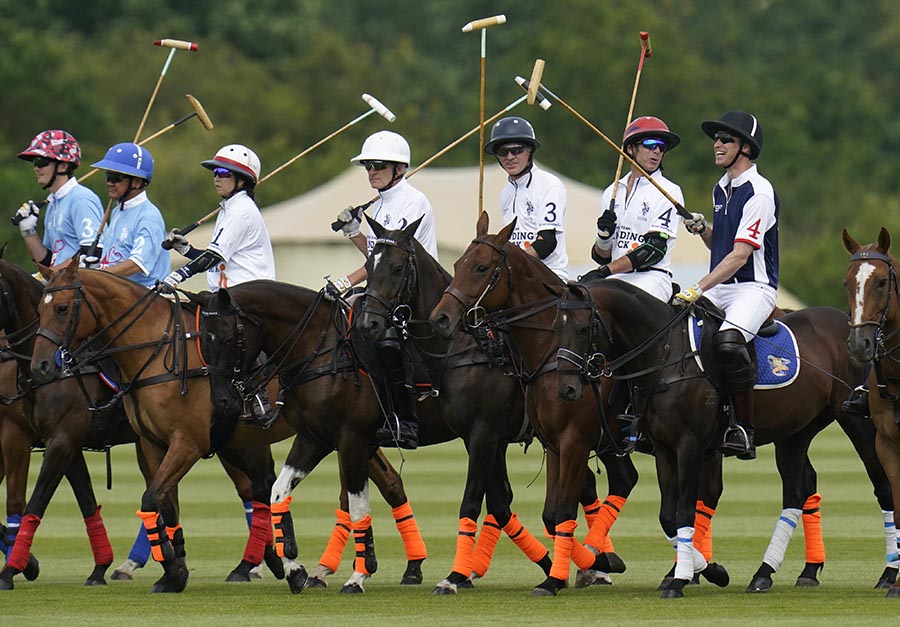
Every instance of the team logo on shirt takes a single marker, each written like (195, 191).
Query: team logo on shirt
(717, 207)
(123, 234)
(387, 219)
(529, 208)
(645, 209)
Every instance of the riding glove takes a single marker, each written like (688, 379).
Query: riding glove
(335, 288)
(696, 224)
(179, 242)
(170, 283)
(690, 294)
(606, 228)
(27, 218)
(350, 221)
(92, 258)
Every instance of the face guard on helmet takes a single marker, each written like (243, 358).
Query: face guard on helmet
(238, 159)
(648, 126)
(741, 124)
(128, 159)
(384, 146)
(512, 130)
(56, 145)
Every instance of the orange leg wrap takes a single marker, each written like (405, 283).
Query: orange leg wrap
(592, 512)
(582, 557)
(562, 549)
(413, 543)
(487, 543)
(812, 529)
(465, 546)
(279, 512)
(527, 543)
(362, 536)
(331, 558)
(155, 534)
(703, 530)
(598, 534)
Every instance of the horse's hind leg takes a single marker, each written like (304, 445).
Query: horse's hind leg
(15, 444)
(388, 481)
(354, 464)
(80, 480)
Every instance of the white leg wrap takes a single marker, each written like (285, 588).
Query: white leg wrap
(781, 537)
(359, 504)
(687, 560)
(287, 480)
(891, 539)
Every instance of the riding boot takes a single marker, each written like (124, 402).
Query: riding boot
(401, 426)
(739, 438)
(258, 409)
(858, 403)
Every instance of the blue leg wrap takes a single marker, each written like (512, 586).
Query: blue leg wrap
(140, 552)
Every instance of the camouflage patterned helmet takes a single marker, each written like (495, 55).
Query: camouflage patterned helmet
(56, 145)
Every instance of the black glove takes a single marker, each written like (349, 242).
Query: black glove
(606, 224)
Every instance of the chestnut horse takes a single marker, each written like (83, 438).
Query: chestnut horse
(481, 402)
(873, 292)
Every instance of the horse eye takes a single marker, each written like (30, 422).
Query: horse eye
(881, 283)
(481, 268)
(62, 309)
(397, 270)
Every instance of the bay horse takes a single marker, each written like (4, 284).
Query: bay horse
(481, 294)
(484, 278)
(330, 402)
(478, 398)
(634, 337)
(873, 293)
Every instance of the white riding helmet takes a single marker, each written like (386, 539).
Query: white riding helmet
(236, 158)
(383, 146)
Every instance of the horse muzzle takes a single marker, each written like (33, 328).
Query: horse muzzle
(861, 344)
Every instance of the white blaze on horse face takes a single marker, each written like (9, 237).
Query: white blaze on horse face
(287, 480)
(863, 274)
(48, 298)
(359, 503)
(377, 258)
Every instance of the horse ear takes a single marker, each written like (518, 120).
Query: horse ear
(410, 230)
(506, 232)
(223, 298)
(884, 239)
(377, 229)
(849, 243)
(481, 228)
(44, 270)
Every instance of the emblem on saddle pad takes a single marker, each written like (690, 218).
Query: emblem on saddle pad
(776, 356)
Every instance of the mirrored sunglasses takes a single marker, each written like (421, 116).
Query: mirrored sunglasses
(514, 150)
(114, 178)
(722, 136)
(375, 165)
(651, 143)
(222, 173)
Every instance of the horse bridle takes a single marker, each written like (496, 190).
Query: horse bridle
(476, 315)
(894, 287)
(65, 356)
(397, 310)
(238, 380)
(593, 364)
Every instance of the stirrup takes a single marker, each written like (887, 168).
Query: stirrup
(858, 403)
(738, 441)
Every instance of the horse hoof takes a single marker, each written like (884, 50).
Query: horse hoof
(609, 563)
(298, 580)
(352, 588)
(674, 589)
(893, 593)
(237, 577)
(161, 586)
(95, 582)
(6, 584)
(96, 577)
(760, 584)
(716, 573)
(316, 583)
(587, 578)
(274, 563)
(413, 574)
(466, 584)
(542, 592)
(445, 587)
(32, 568)
(125, 572)
(549, 587)
(806, 582)
(888, 578)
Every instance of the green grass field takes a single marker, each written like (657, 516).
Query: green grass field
(215, 532)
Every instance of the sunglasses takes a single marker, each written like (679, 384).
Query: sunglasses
(374, 165)
(505, 151)
(41, 162)
(114, 178)
(651, 143)
(722, 136)
(222, 173)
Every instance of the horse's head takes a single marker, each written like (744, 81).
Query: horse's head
(873, 295)
(230, 342)
(391, 270)
(19, 296)
(582, 337)
(477, 286)
(66, 318)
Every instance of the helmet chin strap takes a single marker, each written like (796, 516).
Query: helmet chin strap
(55, 174)
(738, 154)
(397, 175)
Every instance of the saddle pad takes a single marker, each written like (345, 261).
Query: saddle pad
(777, 363)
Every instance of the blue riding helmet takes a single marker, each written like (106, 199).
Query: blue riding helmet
(129, 159)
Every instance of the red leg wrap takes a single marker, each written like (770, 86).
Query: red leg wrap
(260, 533)
(100, 546)
(18, 554)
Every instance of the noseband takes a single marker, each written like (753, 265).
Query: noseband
(476, 315)
(593, 364)
(397, 311)
(893, 288)
(65, 357)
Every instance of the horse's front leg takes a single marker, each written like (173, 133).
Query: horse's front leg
(353, 456)
(17, 537)
(888, 447)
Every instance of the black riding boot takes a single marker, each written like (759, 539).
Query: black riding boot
(401, 426)
(858, 403)
(739, 438)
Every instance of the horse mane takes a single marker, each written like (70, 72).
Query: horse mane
(285, 298)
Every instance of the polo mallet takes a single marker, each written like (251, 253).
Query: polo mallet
(544, 103)
(174, 44)
(678, 207)
(646, 51)
(482, 25)
(375, 106)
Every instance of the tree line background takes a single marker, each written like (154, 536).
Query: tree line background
(279, 75)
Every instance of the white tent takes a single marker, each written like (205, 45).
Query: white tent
(306, 249)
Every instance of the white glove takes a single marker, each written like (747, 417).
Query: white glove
(690, 294)
(179, 242)
(351, 222)
(696, 224)
(27, 218)
(169, 284)
(92, 260)
(335, 288)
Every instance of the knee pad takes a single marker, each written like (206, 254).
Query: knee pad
(737, 364)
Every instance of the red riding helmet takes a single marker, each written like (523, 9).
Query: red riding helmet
(649, 126)
(56, 145)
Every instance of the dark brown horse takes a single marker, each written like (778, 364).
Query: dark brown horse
(331, 403)
(642, 341)
(873, 292)
(485, 277)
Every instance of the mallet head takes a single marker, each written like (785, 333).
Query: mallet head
(201, 112)
(176, 43)
(380, 109)
(542, 102)
(645, 43)
(535, 81)
(486, 22)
